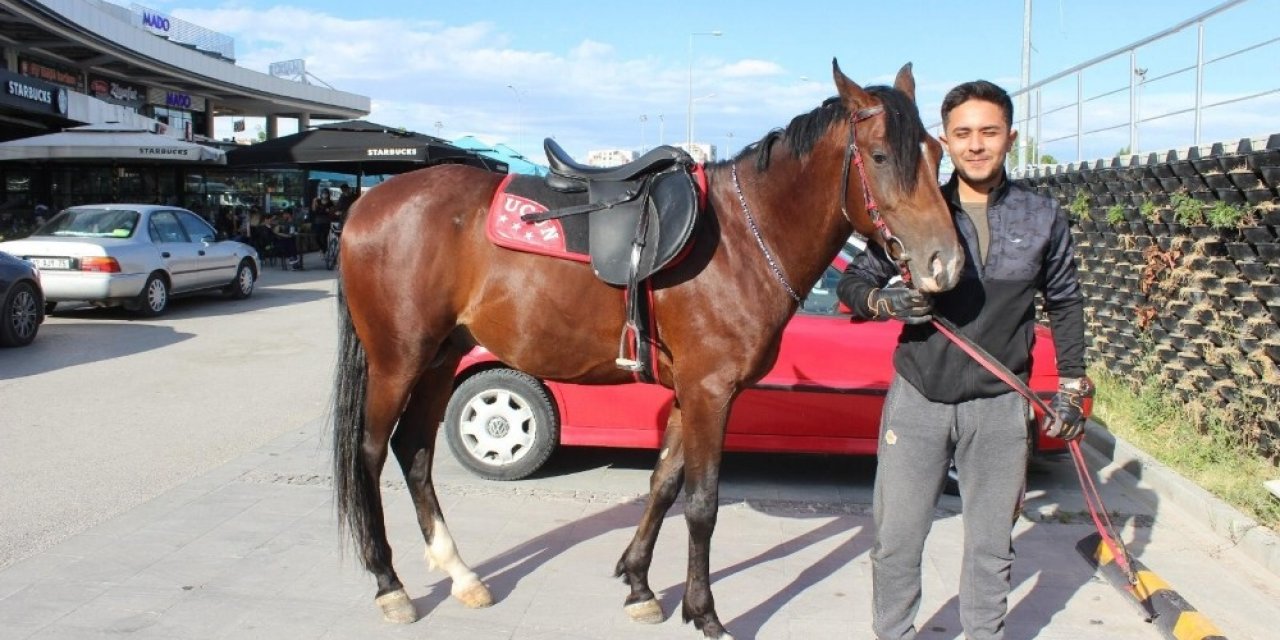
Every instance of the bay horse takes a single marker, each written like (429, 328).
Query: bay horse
(421, 285)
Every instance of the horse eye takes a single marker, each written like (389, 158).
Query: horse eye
(880, 157)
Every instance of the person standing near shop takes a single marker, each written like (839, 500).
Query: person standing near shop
(286, 232)
(942, 405)
(345, 200)
(321, 216)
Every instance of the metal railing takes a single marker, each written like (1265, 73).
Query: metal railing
(1069, 124)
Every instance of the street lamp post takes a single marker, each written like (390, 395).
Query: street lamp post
(643, 119)
(519, 106)
(716, 33)
(662, 131)
(689, 147)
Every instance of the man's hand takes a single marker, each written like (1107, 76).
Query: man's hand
(1068, 403)
(900, 303)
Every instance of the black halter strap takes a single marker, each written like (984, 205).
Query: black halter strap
(854, 158)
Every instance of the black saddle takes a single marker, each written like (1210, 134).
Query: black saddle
(642, 215)
(570, 177)
(647, 206)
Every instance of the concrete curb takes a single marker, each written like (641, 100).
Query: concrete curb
(1258, 543)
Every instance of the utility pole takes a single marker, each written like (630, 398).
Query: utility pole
(1024, 100)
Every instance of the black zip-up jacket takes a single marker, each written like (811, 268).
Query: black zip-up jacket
(993, 304)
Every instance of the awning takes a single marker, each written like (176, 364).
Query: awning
(109, 142)
(357, 147)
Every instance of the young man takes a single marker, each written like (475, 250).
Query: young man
(942, 405)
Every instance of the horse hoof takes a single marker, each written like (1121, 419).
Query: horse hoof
(647, 612)
(475, 596)
(397, 607)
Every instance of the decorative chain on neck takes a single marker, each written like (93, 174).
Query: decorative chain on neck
(755, 231)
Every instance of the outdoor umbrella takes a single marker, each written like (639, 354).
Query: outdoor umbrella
(356, 147)
(109, 142)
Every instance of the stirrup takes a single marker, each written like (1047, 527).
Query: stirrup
(623, 362)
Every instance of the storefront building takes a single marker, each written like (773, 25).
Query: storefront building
(66, 63)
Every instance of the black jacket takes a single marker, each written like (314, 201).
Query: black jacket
(993, 304)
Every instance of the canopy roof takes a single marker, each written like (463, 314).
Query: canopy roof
(109, 142)
(357, 147)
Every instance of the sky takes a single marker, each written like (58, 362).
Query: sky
(611, 75)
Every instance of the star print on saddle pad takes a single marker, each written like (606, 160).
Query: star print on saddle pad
(520, 194)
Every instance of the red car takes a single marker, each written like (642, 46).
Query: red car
(824, 395)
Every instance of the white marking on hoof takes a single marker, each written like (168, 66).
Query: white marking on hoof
(647, 612)
(475, 595)
(443, 554)
(397, 607)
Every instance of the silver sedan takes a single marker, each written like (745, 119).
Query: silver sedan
(135, 255)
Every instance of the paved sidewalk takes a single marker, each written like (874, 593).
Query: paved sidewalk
(250, 550)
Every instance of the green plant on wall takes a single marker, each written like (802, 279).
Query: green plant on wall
(1186, 210)
(1222, 215)
(1148, 211)
(1079, 207)
(1115, 214)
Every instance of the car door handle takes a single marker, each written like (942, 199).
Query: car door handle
(201, 252)
(164, 254)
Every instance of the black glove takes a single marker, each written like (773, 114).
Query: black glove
(1068, 403)
(900, 303)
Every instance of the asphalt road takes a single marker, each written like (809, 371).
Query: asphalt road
(105, 410)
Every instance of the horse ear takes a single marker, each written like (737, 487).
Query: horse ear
(906, 82)
(849, 90)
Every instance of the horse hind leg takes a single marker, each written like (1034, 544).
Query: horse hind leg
(414, 447)
(664, 486)
(367, 404)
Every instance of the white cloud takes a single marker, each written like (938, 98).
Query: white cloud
(751, 69)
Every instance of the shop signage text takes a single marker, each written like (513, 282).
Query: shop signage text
(392, 152)
(155, 21)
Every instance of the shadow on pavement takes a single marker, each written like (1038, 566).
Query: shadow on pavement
(202, 305)
(66, 344)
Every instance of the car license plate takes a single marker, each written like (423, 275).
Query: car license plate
(51, 263)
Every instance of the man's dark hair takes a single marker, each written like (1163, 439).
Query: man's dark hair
(978, 90)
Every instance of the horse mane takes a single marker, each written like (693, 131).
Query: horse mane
(904, 127)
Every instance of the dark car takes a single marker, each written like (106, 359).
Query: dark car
(21, 301)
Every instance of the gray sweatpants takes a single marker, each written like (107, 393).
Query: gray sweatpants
(989, 440)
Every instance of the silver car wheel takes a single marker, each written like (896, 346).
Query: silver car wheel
(498, 427)
(245, 281)
(25, 317)
(157, 295)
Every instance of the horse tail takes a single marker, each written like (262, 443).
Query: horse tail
(355, 492)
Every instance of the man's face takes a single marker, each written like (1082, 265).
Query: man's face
(977, 140)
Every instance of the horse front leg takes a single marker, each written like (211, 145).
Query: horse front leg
(664, 486)
(704, 426)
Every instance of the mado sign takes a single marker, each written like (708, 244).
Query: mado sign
(155, 21)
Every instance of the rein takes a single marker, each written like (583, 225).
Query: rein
(1092, 498)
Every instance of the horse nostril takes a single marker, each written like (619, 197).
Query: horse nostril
(942, 275)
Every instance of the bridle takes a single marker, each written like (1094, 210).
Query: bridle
(852, 157)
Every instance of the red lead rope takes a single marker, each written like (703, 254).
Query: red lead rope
(1092, 499)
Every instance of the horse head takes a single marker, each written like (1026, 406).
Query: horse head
(891, 192)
